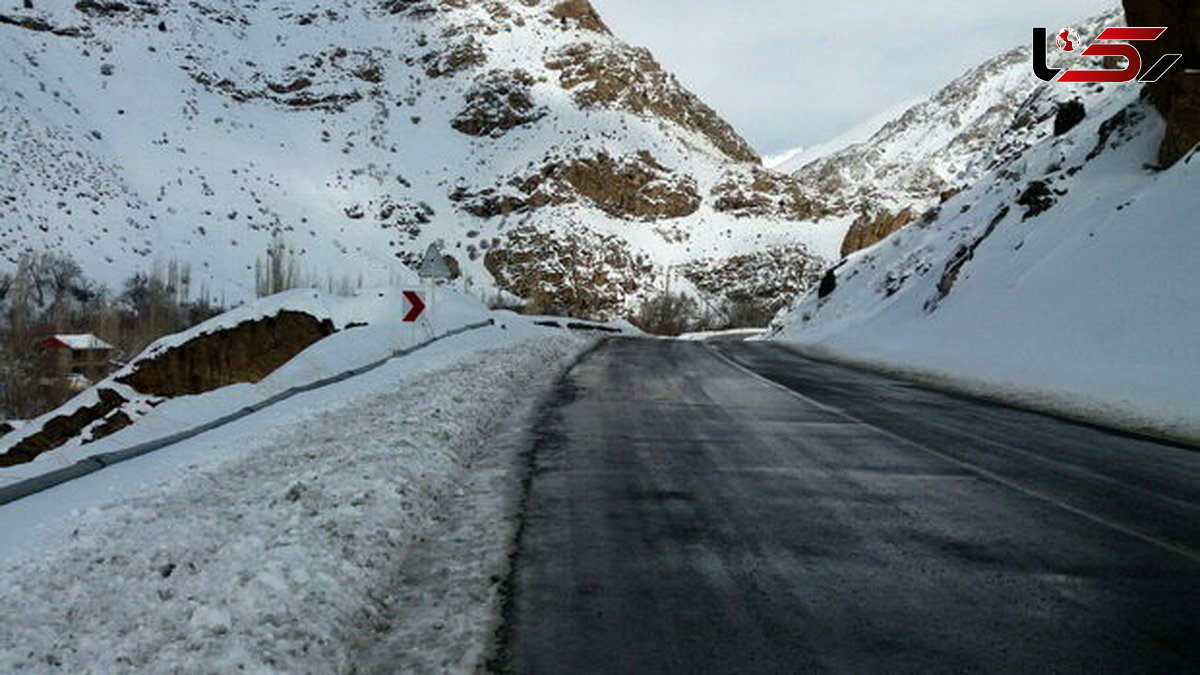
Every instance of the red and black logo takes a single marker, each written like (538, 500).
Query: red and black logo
(1117, 40)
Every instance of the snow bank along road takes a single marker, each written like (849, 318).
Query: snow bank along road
(737, 508)
(364, 527)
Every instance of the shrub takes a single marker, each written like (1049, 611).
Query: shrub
(667, 314)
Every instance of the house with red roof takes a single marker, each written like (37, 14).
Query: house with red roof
(80, 359)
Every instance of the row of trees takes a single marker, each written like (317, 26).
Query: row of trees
(668, 313)
(282, 270)
(49, 293)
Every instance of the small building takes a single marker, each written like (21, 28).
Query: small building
(77, 359)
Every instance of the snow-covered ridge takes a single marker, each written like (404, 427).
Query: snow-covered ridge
(914, 153)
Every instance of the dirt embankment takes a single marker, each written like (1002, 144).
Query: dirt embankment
(58, 430)
(245, 353)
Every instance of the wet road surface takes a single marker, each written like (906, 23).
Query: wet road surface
(737, 508)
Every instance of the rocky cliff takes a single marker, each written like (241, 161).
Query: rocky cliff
(1177, 95)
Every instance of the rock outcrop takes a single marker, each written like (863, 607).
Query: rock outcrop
(628, 78)
(770, 279)
(748, 192)
(499, 102)
(578, 274)
(1176, 95)
(634, 188)
(872, 228)
(581, 14)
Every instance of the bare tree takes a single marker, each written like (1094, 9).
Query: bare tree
(667, 314)
(279, 272)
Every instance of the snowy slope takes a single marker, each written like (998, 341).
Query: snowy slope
(361, 131)
(364, 526)
(1063, 276)
(795, 160)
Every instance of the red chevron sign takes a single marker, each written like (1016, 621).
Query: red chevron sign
(417, 304)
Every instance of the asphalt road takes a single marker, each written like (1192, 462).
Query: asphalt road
(735, 508)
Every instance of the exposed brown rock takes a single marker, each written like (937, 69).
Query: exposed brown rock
(398, 6)
(101, 8)
(948, 194)
(872, 228)
(581, 14)
(757, 192)
(291, 87)
(581, 274)
(498, 102)
(371, 73)
(453, 266)
(636, 187)
(39, 26)
(245, 353)
(1176, 95)
(466, 54)
(58, 430)
(771, 279)
(490, 202)
(111, 425)
(619, 76)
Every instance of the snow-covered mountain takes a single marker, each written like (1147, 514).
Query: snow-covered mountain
(909, 159)
(1059, 269)
(555, 161)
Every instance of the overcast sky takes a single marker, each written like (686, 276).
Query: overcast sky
(798, 72)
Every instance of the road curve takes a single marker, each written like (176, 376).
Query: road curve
(736, 508)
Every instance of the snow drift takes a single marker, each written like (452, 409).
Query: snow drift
(363, 527)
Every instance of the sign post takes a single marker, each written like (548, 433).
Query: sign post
(433, 271)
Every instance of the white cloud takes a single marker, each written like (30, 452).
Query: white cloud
(796, 72)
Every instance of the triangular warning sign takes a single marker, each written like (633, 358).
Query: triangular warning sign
(433, 266)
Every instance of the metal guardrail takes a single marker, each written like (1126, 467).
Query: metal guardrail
(94, 463)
